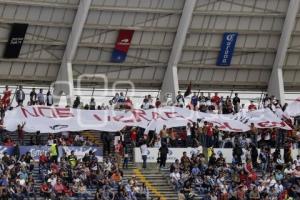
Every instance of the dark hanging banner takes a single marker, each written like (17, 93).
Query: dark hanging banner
(227, 48)
(16, 38)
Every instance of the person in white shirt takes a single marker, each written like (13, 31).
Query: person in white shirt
(288, 170)
(175, 179)
(40, 98)
(144, 152)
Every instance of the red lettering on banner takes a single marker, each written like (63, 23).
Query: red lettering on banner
(268, 124)
(97, 117)
(156, 115)
(173, 115)
(225, 125)
(64, 112)
(138, 114)
(40, 109)
(118, 118)
(25, 112)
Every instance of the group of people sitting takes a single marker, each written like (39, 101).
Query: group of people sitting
(264, 176)
(66, 176)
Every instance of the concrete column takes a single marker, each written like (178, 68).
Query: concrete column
(64, 82)
(276, 82)
(170, 85)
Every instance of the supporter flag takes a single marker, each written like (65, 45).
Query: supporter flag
(16, 38)
(227, 49)
(122, 45)
(188, 90)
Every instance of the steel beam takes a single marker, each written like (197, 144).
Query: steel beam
(276, 82)
(170, 85)
(64, 82)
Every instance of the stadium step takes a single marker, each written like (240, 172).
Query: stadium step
(156, 183)
(166, 174)
(94, 137)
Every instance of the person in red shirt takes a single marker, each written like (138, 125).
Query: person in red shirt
(157, 103)
(252, 107)
(6, 97)
(133, 136)
(216, 100)
(45, 189)
(128, 103)
(208, 131)
(43, 160)
(59, 188)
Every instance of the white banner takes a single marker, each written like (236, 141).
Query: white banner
(293, 109)
(57, 119)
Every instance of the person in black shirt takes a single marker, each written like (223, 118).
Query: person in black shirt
(28, 158)
(38, 138)
(76, 102)
(32, 97)
(163, 151)
(236, 103)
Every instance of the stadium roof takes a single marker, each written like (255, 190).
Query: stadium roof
(260, 25)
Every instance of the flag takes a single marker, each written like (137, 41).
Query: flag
(188, 90)
(122, 45)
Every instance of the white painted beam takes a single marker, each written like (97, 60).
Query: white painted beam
(276, 83)
(170, 85)
(64, 83)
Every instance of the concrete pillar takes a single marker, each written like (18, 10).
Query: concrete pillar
(170, 85)
(64, 82)
(276, 82)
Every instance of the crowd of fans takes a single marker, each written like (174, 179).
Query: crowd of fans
(64, 176)
(263, 175)
(251, 175)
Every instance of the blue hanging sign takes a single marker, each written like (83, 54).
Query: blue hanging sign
(227, 49)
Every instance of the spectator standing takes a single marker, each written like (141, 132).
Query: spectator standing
(180, 99)
(163, 153)
(54, 152)
(77, 102)
(133, 136)
(38, 138)
(32, 96)
(236, 103)
(40, 98)
(215, 100)
(92, 104)
(237, 153)
(6, 97)
(194, 101)
(252, 107)
(119, 153)
(20, 96)
(49, 99)
(107, 139)
(157, 103)
(164, 135)
(144, 152)
(21, 132)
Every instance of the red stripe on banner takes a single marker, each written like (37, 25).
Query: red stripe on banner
(124, 40)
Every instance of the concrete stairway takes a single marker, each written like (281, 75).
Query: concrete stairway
(166, 174)
(92, 136)
(155, 181)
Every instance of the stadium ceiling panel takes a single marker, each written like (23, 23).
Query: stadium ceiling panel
(259, 24)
